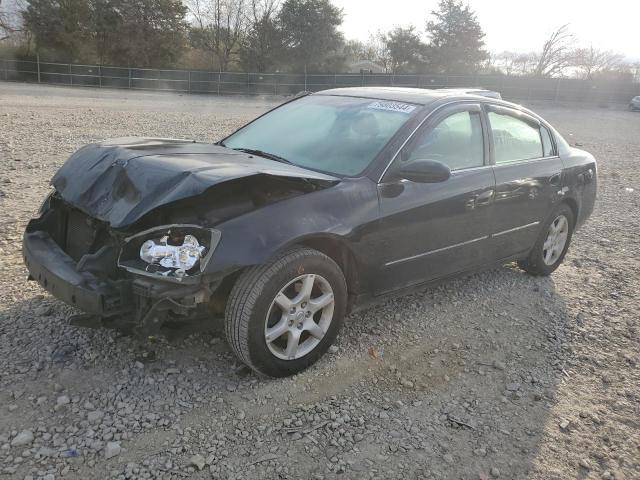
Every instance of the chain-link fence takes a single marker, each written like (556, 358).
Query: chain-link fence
(200, 81)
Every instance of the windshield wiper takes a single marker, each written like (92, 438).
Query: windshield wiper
(260, 153)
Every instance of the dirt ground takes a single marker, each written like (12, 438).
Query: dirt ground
(495, 375)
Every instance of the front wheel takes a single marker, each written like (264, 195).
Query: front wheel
(552, 244)
(281, 317)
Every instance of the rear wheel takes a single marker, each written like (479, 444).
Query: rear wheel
(552, 244)
(281, 317)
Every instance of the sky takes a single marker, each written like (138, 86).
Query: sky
(516, 25)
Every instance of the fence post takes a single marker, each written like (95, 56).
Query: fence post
(129, 78)
(100, 76)
(305, 78)
(70, 76)
(219, 80)
(6, 70)
(247, 83)
(189, 87)
(38, 60)
(275, 83)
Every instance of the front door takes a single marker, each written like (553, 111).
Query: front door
(431, 230)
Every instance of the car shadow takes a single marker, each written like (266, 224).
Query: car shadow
(464, 374)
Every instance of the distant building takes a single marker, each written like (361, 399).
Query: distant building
(365, 66)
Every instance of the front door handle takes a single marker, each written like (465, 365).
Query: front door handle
(484, 198)
(555, 179)
(480, 199)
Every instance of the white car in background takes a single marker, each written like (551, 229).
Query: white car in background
(635, 103)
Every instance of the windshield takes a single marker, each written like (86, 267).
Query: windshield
(340, 135)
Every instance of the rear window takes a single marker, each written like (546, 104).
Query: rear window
(514, 139)
(547, 144)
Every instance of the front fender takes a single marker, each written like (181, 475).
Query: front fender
(341, 213)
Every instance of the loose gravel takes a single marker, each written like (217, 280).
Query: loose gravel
(495, 375)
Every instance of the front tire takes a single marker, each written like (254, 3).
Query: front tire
(281, 317)
(552, 244)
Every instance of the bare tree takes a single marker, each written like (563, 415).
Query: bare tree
(513, 63)
(219, 27)
(261, 43)
(373, 50)
(506, 61)
(10, 20)
(634, 68)
(263, 9)
(590, 61)
(525, 63)
(556, 53)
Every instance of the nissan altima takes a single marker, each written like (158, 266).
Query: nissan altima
(326, 203)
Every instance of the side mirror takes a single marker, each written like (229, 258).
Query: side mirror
(424, 171)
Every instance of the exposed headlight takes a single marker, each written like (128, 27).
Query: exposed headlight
(171, 251)
(182, 257)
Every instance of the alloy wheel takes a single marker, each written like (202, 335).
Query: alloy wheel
(299, 317)
(556, 240)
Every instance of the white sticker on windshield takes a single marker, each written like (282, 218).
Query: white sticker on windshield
(393, 106)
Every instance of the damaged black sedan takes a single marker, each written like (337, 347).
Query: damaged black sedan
(326, 203)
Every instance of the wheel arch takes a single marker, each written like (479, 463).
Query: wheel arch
(337, 249)
(573, 205)
(332, 246)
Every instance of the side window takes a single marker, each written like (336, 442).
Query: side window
(547, 144)
(514, 139)
(456, 141)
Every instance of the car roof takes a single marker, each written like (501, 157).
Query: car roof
(420, 96)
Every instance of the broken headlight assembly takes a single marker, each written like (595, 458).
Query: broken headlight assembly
(174, 252)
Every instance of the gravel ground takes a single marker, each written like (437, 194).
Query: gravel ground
(495, 375)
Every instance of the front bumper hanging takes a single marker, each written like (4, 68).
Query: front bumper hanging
(56, 272)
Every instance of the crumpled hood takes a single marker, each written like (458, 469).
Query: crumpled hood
(119, 181)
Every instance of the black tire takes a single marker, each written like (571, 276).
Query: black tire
(534, 264)
(252, 296)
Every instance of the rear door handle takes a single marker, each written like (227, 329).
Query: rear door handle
(555, 179)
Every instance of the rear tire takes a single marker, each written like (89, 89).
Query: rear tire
(552, 244)
(281, 317)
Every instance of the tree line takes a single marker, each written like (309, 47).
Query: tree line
(277, 36)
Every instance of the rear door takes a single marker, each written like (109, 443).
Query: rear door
(431, 230)
(528, 175)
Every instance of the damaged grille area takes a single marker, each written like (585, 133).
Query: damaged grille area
(80, 235)
(84, 239)
(74, 257)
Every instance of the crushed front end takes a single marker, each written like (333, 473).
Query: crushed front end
(143, 278)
